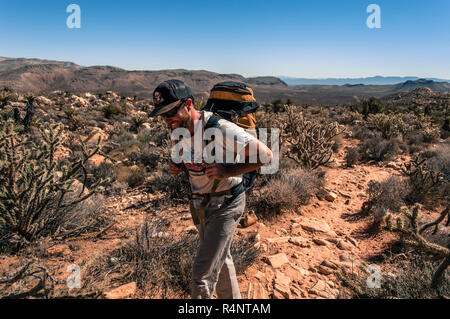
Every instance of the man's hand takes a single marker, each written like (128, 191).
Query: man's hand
(216, 171)
(174, 169)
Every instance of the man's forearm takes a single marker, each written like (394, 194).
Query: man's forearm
(242, 168)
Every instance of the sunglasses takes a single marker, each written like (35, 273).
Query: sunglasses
(173, 111)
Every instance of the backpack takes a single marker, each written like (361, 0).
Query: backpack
(234, 101)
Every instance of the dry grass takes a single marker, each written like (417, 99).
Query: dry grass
(159, 262)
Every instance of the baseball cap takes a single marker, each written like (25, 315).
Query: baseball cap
(167, 95)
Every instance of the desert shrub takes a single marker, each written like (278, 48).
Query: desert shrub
(73, 120)
(431, 135)
(384, 197)
(426, 185)
(311, 143)
(35, 198)
(305, 182)
(134, 176)
(31, 280)
(266, 120)
(124, 139)
(161, 262)
(371, 106)
(158, 134)
(6, 96)
(352, 156)
(389, 125)
(350, 118)
(137, 123)
(379, 149)
(415, 142)
(440, 160)
(361, 132)
(276, 196)
(407, 227)
(110, 110)
(106, 171)
(117, 188)
(176, 189)
(149, 156)
(288, 190)
(410, 279)
(337, 145)
(277, 106)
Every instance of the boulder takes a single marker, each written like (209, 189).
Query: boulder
(342, 244)
(42, 100)
(95, 161)
(314, 225)
(281, 292)
(299, 241)
(278, 260)
(94, 138)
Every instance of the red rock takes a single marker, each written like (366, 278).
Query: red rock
(122, 292)
(59, 250)
(315, 225)
(278, 260)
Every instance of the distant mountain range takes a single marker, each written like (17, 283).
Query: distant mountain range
(373, 80)
(43, 76)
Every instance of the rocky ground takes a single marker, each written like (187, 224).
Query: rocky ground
(301, 250)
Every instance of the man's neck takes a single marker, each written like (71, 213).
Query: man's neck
(196, 116)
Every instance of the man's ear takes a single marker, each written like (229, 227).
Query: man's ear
(189, 104)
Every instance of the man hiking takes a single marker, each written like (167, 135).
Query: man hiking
(218, 195)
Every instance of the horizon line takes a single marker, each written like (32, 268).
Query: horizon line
(234, 73)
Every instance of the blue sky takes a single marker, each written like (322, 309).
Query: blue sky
(316, 39)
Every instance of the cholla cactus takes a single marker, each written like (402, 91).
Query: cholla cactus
(412, 235)
(310, 142)
(423, 181)
(5, 97)
(390, 125)
(33, 194)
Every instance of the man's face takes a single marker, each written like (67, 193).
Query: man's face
(181, 119)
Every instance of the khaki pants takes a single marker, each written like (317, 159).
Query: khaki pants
(213, 265)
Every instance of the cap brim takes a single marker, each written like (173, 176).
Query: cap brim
(164, 109)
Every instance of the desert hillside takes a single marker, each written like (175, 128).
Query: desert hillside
(85, 189)
(44, 76)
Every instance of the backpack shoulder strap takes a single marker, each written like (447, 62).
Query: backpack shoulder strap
(213, 121)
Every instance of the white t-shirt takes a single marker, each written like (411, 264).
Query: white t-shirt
(234, 138)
